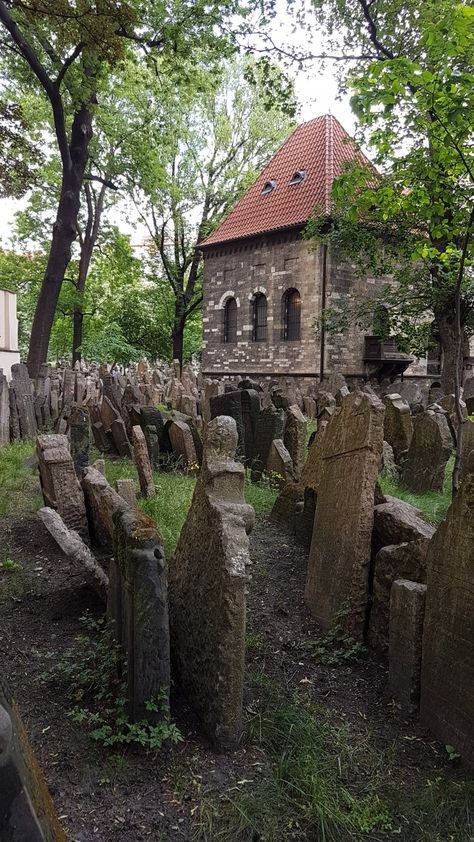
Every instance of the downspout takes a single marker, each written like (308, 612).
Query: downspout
(323, 307)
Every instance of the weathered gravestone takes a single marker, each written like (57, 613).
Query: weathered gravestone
(467, 447)
(59, 484)
(269, 427)
(338, 567)
(4, 410)
(279, 463)
(430, 449)
(102, 501)
(79, 426)
(142, 462)
(294, 438)
(22, 408)
(27, 813)
(407, 611)
(468, 394)
(138, 605)
(182, 443)
(243, 405)
(447, 673)
(397, 425)
(208, 582)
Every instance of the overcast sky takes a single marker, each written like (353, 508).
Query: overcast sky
(316, 91)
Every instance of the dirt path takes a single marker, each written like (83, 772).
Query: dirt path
(136, 797)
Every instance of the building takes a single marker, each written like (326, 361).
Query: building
(9, 352)
(264, 285)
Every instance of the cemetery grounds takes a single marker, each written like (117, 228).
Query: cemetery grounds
(326, 754)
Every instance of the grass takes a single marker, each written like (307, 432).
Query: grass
(19, 483)
(323, 783)
(432, 504)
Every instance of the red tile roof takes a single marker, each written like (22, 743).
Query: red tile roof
(320, 147)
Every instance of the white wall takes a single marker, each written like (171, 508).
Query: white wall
(9, 353)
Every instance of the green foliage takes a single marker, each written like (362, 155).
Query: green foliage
(261, 495)
(432, 504)
(336, 647)
(90, 672)
(413, 97)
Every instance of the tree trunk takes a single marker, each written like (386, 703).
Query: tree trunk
(77, 320)
(64, 234)
(446, 324)
(178, 330)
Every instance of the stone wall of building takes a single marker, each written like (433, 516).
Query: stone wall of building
(270, 264)
(273, 264)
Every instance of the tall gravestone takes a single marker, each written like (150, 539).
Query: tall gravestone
(397, 425)
(4, 410)
(429, 451)
(447, 673)
(61, 489)
(208, 581)
(294, 438)
(80, 431)
(138, 605)
(338, 566)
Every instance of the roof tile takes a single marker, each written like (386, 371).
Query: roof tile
(321, 147)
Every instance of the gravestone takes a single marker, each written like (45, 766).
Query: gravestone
(208, 582)
(467, 447)
(397, 425)
(182, 443)
(79, 425)
(27, 812)
(268, 428)
(407, 611)
(4, 410)
(101, 503)
(279, 463)
(447, 672)
(59, 484)
(430, 449)
(126, 489)
(138, 606)
(121, 441)
(142, 462)
(294, 438)
(468, 394)
(21, 403)
(338, 566)
(243, 405)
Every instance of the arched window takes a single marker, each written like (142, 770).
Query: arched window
(230, 320)
(291, 315)
(259, 321)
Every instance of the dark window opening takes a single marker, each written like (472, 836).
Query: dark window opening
(259, 331)
(291, 315)
(298, 177)
(230, 320)
(269, 186)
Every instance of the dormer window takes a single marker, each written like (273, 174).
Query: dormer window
(268, 187)
(298, 177)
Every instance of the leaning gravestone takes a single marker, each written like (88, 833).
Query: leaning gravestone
(429, 451)
(338, 567)
(138, 605)
(208, 582)
(397, 425)
(294, 438)
(447, 673)
(59, 484)
(142, 462)
(79, 425)
(27, 813)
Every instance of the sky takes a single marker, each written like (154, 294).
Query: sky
(316, 91)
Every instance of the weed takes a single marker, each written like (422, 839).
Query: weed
(91, 672)
(15, 581)
(261, 495)
(9, 564)
(336, 647)
(255, 642)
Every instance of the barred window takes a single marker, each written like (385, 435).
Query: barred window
(230, 320)
(259, 332)
(291, 315)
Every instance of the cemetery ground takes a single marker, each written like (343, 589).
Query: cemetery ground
(326, 754)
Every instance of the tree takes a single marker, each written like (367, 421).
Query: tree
(67, 49)
(413, 93)
(215, 137)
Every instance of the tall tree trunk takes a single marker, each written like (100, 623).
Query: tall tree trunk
(178, 330)
(64, 234)
(95, 206)
(446, 324)
(77, 322)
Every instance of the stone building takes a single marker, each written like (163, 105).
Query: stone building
(264, 285)
(9, 352)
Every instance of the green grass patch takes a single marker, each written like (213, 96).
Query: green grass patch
(323, 783)
(19, 482)
(432, 504)
(261, 495)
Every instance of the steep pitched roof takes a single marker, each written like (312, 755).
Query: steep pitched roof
(320, 148)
